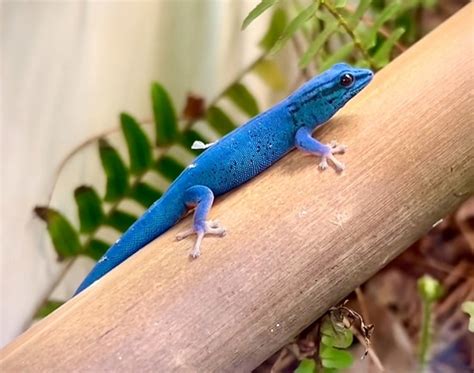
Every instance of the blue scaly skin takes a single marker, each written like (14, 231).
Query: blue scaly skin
(237, 158)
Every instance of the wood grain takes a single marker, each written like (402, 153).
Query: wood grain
(299, 240)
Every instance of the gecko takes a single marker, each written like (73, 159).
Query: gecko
(238, 157)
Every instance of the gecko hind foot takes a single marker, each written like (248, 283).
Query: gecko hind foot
(211, 227)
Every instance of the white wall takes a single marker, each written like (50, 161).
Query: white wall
(68, 69)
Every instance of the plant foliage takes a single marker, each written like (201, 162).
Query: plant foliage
(362, 32)
(335, 338)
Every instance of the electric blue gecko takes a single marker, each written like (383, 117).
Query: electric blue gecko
(238, 157)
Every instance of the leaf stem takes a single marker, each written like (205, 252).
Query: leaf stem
(425, 340)
(342, 21)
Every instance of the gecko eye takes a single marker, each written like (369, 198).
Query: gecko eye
(347, 80)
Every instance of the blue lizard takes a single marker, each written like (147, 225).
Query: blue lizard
(238, 157)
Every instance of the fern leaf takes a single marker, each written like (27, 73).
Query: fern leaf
(271, 74)
(338, 56)
(139, 147)
(243, 99)
(369, 38)
(294, 25)
(317, 43)
(382, 56)
(219, 121)
(166, 124)
(144, 194)
(258, 10)
(120, 220)
(48, 307)
(356, 17)
(65, 238)
(340, 3)
(115, 170)
(168, 167)
(96, 249)
(277, 25)
(89, 208)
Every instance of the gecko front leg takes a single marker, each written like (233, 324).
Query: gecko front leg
(200, 197)
(305, 142)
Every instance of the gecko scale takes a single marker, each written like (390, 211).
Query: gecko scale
(238, 157)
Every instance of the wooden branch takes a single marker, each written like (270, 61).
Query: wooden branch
(299, 240)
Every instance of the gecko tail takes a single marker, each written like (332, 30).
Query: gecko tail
(161, 216)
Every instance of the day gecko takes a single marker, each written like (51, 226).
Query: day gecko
(238, 157)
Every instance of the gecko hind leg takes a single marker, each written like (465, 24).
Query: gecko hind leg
(200, 197)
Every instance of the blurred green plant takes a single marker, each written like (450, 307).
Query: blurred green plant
(363, 32)
(430, 291)
(335, 338)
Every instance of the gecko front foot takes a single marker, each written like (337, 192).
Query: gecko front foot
(334, 148)
(210, 227)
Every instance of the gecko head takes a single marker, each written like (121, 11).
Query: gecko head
(321, 97)
(332, 89)
(342, 82)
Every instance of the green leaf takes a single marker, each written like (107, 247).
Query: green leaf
(271, 74)
(356, 17)
(115, 171)
(188, 138)
(334, 335)
(242, 98)
(120, 220)
(219, 121)
(169, 167)
(339, 340)
(340, 3)
(144, 194)
(48, 307)
(382, 56)
(139, 148)
(65, 238)
(334, 358)
(306, 366)
(255, 12)
(166, 124)
(317, 43)
(370, 37)
(277, 25)
(338, 56)
(89, 208)
(294, 25)
(468, 307)
(96, 249)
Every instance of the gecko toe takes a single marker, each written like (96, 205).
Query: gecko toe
(210, 228)
(323, 165)
(337, 148)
